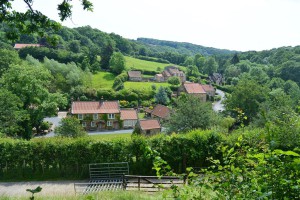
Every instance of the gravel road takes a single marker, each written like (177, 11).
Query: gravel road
(49, 188)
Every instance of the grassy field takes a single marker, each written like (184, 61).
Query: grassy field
(143, 64)
(143, 85)
(111, 136)
(103, 80)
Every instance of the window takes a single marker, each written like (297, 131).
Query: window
(111, 116)
(109, 123)
(95, 116)
(80, 116)
(93, 124)
(126, 123)
(83, 124)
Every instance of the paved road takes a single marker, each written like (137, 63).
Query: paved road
(219, 106)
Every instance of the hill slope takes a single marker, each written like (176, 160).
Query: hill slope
(182, 47)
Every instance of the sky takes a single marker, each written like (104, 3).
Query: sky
(226, 24)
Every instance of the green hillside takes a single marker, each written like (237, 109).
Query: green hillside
(103, 80)
(143, 64)
(146, 65)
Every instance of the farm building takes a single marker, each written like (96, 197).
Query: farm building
(135, 75)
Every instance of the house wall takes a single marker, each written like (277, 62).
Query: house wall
(211, 93)
(99, 121)
(129, 123)
(159, 78)
(151, 132)
(135, 78)
(202, 97)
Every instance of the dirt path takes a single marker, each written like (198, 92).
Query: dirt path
(49, 188)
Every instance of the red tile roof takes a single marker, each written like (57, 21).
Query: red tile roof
(19, 46)
(208, 88)
(90, 107)
(161, 111)
(135, 74)
(129, 114)
(194, 88)
(149, 124)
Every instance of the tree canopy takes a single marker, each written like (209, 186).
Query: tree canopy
(190, 113)
(70, 127)
(33, 21)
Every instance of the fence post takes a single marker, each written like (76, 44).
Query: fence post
(124, 182)
(139, 182)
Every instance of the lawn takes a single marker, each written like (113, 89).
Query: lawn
(141, 115)
(108, 136)
(103, 80)
(143, 85)
(143, 64)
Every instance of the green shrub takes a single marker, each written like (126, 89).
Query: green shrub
(68, 158)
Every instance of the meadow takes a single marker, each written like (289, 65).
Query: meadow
(143, 85)
(143, 64)
(147, 65)
(103, 80)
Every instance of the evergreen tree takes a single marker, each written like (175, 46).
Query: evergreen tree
(106, 54)
(161, 96)
(235, 59)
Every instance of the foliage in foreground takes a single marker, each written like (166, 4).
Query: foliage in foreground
(245, 173)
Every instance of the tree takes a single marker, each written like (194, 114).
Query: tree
(33, 21)
(74, 46)
(161, 96)
(192, 71)
(70, 127)
(246, 97)
(174, 80)
(11, 113)
(199, 61)
(235, 59)
(190, 113)
(210, 66)
(117, 63)
(8, 57)
(188, 61)
(290, 70)
(106, 54)
(31, 86)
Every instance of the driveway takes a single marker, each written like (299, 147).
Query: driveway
(219, 106)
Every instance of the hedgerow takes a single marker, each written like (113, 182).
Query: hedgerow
(66, 158)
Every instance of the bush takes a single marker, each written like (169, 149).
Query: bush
(70, 127)
(65, 158)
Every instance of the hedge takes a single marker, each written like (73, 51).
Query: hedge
(65, 158)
